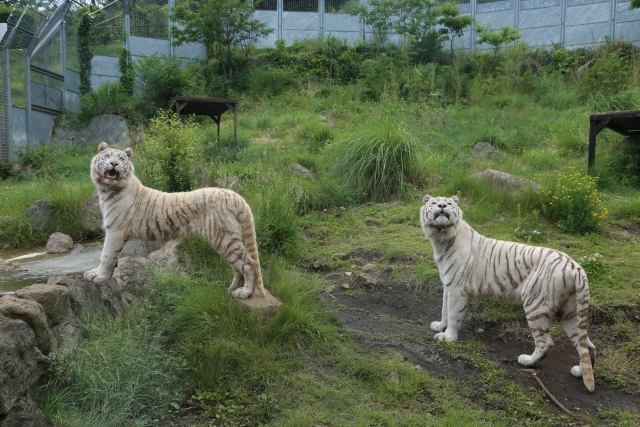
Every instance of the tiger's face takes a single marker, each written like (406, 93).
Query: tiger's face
(440, 212)
(111, 167)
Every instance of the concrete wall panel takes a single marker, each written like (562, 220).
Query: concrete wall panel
(539, 37)
(581, 35)
(540, 18)
(628, 31)
(497, 19)
(303, 21)
(148, 46)
(588, 14)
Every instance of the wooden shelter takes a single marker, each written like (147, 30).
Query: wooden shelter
(212, 107)
(625, 123)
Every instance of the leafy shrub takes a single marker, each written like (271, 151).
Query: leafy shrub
(378, 77)
(382, 157)
(161, 77)
(109, 98)
(526, 233)
(172, 148)
(622, 160)
(37, 156)
(610, 74)
(271, 81)
(571, 201)
(5, 170)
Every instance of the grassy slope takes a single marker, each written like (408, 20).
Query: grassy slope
(333, 382)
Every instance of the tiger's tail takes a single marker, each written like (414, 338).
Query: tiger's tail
(586, 349)
(251, 245)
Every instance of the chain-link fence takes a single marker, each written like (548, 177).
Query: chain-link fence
(300, 5)
(150, 18)
(340, 6)
(107, 31)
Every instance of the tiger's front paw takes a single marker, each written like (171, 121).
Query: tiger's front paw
(438, 326)
(94, 276)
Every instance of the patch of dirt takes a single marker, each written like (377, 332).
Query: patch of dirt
(633, 228)
(396, 317)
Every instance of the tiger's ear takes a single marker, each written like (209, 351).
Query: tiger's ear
(455, 199)
(426, 198)
(103, 146)
(128, 152)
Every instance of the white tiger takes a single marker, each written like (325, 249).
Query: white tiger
(133, 211)
(547, 282)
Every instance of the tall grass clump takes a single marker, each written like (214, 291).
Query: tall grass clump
(121, 375)
(314, 136)
(380, 159)
(571, 201)
(236, 356)
(172, 147)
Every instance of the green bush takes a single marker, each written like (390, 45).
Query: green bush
(571, 201)
(610, 74)
(380, 159)
(5, 170)
(172, 148)
(161, 77)
(271, 81)
(378, 77)
(109, 98)
(38, 156)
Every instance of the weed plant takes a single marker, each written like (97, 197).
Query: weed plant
(572, 202)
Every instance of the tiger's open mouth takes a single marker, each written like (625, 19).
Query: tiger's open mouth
(112, 174)
(444, 214)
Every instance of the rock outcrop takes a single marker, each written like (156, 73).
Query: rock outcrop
(59, 243)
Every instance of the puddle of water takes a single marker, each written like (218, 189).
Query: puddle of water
(40, 266)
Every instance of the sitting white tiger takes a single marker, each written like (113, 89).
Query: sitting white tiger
(547, 282)
(133, 211)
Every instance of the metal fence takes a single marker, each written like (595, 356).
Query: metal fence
(34, 68)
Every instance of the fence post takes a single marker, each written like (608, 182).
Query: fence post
(63, 60)
(612, 22)
(563, 17)
(280, 4)
(516, 19)
(127, 24)
(321, 17)
(172, 4)
(472, 7)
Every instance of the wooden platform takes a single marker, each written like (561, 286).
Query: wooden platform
(212, 107)
(625, 123)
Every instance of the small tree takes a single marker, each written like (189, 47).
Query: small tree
(378, 18)
(635, 4)
(453, 23)
(505, 35)
(221, 25)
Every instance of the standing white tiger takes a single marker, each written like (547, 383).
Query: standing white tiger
(133, 211)
(548, 282)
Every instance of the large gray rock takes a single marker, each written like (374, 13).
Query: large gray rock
(26, 414)
(510, 182)
(91, 215)
(33, 315)
(17, 361)
(485, 149)
(59, 243)
(54, 299)
(131, 275)
(39, 214)
(140, 248)
(169, 257)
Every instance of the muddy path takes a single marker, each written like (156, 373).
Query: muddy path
(393, 316)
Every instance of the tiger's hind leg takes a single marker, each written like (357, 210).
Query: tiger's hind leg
(244, 267)
(539, 324)
(568, 324)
